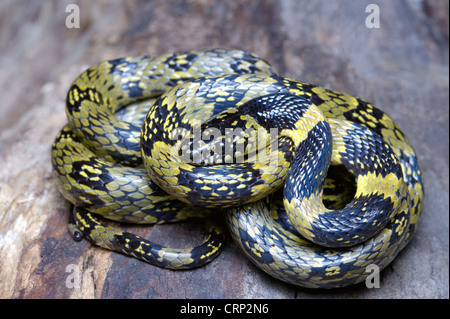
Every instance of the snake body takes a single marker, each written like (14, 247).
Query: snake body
(161, 170)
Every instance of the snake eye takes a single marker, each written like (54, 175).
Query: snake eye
(77, 235)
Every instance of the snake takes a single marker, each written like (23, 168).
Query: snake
(313, 185)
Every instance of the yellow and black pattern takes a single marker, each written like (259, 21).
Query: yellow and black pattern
(103, 89)
(96, 157)
(82, 223)
(114, 191)
(316, 231)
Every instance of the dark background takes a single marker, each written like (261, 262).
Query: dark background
(402, 67)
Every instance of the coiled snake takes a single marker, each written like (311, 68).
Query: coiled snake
(315, 185)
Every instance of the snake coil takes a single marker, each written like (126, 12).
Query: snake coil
(315, 185)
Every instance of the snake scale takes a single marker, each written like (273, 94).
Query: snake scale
(315, 185)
